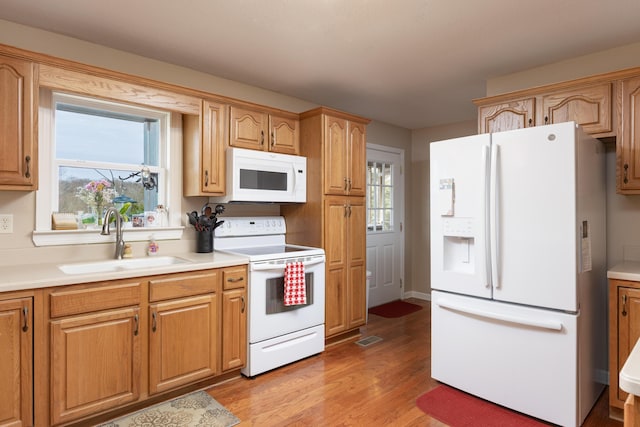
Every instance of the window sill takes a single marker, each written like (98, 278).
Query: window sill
(80, 237)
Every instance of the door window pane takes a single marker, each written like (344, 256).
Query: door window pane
(379, 197)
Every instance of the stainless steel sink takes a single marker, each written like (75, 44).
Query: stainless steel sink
(111, 266)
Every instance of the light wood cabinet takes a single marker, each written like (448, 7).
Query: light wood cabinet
(16, 369)
(203, 150)
(95, 348)
(234, 318)
(345, 157)
(628, 142)
(18, 140)
(345, 243)
(624, 332)
(180, 303)
(589, 104)
(261, 130)
(333, 218)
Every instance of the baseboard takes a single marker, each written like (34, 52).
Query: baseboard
(417, 295)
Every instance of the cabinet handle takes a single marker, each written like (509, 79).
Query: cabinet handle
(153, 321)
(235, 279)
(243, 304)
(349, 184)
(624, 305)
(346, 186)
(261, 137)
(530, 122)
(25, 318)
(345, 210)
(349, 207)
(136, 319)
(546, 120)
(273, 139)
(27, 172)
(206, 178)
(626, 169)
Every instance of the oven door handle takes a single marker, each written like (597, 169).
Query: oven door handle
(259, 266)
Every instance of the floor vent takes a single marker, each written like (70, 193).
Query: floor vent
(366, 342)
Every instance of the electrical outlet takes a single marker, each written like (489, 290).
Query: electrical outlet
(6, 223)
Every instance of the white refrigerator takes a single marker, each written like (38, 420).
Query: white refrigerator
(518, 269)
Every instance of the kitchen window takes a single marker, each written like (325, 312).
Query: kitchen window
(95, 154)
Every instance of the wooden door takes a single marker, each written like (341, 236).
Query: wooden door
(335, 246)
(356, 242)
(18, 166)
(182, 341)
(16, 369)
(284, 135)
(589, 106)
(248, 129)
(335, 156)
(234, 329)
(357, 160)
(95, 363)
(628, 329)
(516, 114)
(628, 140)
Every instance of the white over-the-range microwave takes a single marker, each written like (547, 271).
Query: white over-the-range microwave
(264, 177)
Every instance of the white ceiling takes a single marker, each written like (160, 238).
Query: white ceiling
(412, 63)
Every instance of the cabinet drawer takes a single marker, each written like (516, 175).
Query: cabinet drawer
(234, 278)
(96, 297)
(183, 285)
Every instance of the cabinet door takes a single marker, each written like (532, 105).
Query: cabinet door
(16, 369)
(590, 107)
(628, 142)
(234, 329)
(357, 163)
(248, 129)
(188, 325)
(213, 161)
(18, 166)
(284, 135)
(357, 297)
(517, 114)
(335, 246)
(628, 329)
(95, 363)
(335, 155)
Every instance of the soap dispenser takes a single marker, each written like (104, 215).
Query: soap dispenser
(152, 247)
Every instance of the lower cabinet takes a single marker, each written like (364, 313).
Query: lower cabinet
(234, 318)
(120, 342)
(16, 366)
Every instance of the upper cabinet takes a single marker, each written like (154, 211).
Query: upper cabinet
(203, 151)
(628, 142)
(260, 130)
(588, 104)
(345, 157)
(18, 163)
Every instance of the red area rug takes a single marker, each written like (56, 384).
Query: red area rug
(397, 308)
(459, 409)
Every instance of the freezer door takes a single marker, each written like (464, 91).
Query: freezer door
(533, 215)
(519, 357)
(459, 212)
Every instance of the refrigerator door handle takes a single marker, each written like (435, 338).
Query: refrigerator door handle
(553, 325)
(493, 215)
(486, 167)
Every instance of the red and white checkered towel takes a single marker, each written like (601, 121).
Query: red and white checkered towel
(294, 286)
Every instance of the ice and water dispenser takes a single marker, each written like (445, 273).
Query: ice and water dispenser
(458, 237)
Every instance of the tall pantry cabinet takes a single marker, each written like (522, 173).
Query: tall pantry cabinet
(334, 216)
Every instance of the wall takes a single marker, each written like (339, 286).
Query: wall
(18, 248)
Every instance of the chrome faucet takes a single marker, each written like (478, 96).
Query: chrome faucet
(105, 229)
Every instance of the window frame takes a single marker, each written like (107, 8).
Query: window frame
(169, 177)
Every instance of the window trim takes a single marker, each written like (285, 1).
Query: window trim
(43, 235)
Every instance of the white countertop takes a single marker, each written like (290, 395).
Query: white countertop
(626, 270)
(33, 276)
(629, 378)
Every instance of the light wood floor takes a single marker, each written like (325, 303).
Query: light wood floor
(349, 385)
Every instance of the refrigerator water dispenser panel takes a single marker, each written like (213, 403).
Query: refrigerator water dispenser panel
(459, 245)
